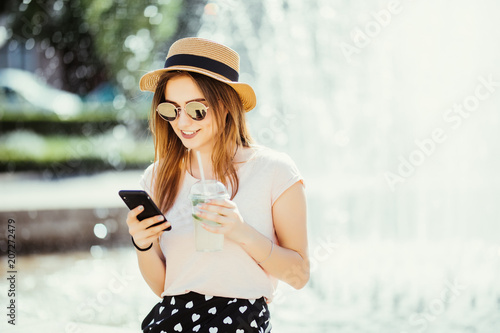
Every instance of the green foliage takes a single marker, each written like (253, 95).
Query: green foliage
(81, 44)
(126, 32)
(89, 115)
(78, 154)
(62, 37)
(89, 142)
(93, 40)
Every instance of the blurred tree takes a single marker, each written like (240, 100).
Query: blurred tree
(62, 37)
(125, 33)
(100, 40)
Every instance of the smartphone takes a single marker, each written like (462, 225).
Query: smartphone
(133, 198)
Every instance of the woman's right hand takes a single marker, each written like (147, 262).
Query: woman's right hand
(144, 237)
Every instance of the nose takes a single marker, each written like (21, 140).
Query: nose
(183, 120)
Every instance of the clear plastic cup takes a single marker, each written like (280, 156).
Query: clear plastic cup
(201, 192)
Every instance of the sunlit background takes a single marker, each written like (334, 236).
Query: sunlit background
(389, 108)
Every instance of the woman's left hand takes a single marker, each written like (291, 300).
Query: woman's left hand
(225, 212)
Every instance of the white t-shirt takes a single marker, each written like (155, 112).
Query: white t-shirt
(230, 272)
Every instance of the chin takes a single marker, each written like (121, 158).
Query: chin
(190, 145)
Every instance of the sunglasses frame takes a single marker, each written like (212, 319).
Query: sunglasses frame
(178, 109)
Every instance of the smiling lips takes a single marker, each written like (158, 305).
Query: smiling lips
(189, 134)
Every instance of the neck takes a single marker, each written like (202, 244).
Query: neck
(206, 160)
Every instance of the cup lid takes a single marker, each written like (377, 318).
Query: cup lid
(208, 188)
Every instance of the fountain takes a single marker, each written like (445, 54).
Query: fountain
(390, 110)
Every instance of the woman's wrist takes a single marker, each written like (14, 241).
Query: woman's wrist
(270, 252)
(246, 236)
(257, 245)
(139, 248)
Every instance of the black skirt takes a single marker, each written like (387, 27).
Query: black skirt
(193, 312)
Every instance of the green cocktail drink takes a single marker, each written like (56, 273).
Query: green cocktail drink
(201, 192)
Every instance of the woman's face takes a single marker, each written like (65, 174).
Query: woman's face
(196, 135)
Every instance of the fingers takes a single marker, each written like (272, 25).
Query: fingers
(215, 230)
(149, 225)
(146, 223)
(215, 214)
(144, 237)
(221, 220)
(142, 231)
(218, 206)
(221, 203)
(132, 216)
(221, 211)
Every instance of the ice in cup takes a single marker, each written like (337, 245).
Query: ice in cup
(203, 191)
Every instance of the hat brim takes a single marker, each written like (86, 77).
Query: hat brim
(149, 81)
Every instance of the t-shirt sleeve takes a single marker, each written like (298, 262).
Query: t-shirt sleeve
(285, 175)
(146, 180)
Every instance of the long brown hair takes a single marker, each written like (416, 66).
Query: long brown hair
(170, 153)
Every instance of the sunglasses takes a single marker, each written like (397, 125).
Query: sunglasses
(169, 112)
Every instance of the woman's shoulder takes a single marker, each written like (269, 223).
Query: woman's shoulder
(146, 181)
(269, 159)
(277, 168)
(270, 155)
(148, 172)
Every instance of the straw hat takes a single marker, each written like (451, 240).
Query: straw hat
(205, 57)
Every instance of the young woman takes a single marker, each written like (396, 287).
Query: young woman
(199, 105)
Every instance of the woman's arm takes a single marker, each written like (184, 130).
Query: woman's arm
(152, 267)
(287, 261)
(152, 261)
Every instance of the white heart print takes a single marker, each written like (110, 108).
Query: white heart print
(227, 320)
(189, 304)
(240, 331)
(253, 323)
(213, 330)
(207, 297)
(195, 317)
(252, 301)
(212, 310)
(196, 328)
(178, 327)
(243, 308)
(161, 309)
(172, 301)
(174, 311)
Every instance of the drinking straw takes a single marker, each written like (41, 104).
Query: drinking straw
(200, 165)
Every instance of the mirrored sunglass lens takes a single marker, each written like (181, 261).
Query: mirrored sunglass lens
(167, 111)
(196, 110)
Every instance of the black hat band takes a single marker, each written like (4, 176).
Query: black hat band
(203, 62)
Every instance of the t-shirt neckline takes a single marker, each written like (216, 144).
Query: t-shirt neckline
(242, 165)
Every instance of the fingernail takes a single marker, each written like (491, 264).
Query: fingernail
(160, 218)
(140, 208)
